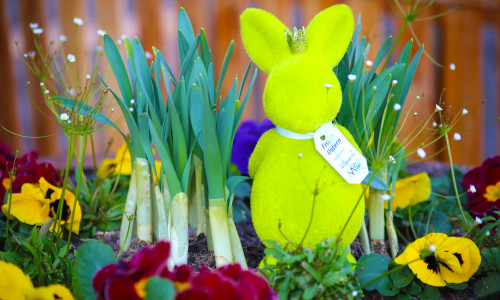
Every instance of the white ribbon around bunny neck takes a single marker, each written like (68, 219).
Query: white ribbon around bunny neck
(333, 145)
(294, 135)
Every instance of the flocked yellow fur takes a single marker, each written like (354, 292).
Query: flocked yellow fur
(296, 99)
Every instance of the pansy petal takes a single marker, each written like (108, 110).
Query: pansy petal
(107, 168)
(13, 278)
(468, 255)
(28, 209)
(426, 275)
(60, 292)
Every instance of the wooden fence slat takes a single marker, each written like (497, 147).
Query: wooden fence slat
(8, 117)
(34, 11)
(462, 40)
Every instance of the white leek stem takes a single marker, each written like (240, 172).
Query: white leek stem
(144, 211)
(376, 217)
(128, 218)
(220, 232)
(391, 234)
(180, 229)
(159, 217)
(363, 238)
(236, 248)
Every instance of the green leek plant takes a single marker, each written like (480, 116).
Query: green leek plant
(192, 138)
(371, 111)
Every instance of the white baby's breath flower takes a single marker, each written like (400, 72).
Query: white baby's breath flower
(71, 58)
(148, 54)
(119, 42)
(418, 97)
(438, 108)
(385, 197)
(33, 25)
(374, 87)
(132, 101)
(432, 248)
(101, 32)
(452, 67)
(64, 116)
(42, 84)
(488, 233)
(63, 38)
(78, 21)
(46, 92)
(123, 37)
(394, 82)
(397, 106)
(112, 110)
(369, 63)
(472, 188)
(457, 136)
(478, 220)
(25, 55)
(415, 113)
(300, 154)
(434, 124)
(421, 153)
(351, 77)
(38, 30)
(464, 111)
(354, 293)
(31, 53)
(69, 121)
(131, 109)
(392, 159)
(328, 86)
(88, 76)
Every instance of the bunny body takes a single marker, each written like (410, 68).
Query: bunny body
(293, 184)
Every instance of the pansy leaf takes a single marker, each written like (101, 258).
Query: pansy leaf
(402, 277)
(375, 265)
(488, 286)
(160, 288)
(429, 293)
(92, 256)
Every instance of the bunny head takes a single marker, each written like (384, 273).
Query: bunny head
(302, 92)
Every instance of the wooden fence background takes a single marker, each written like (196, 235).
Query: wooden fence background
(468, 37)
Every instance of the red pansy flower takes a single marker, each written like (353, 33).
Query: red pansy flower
(483, 186)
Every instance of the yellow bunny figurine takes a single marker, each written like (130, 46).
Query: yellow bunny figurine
(293, 184)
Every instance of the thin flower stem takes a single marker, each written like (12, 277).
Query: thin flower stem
(71, 147)
(411, 221)
(77, 190)
(10, 205)
(452, 172)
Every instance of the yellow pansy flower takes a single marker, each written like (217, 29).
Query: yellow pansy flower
(437, 259)
(37, 203)
(410, 191)
(14, 284)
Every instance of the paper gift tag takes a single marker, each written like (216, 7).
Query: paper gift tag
(340, 153)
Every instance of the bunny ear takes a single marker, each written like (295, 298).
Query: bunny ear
(329, 33)
(264, 38)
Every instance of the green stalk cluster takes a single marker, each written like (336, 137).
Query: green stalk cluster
(192, 128)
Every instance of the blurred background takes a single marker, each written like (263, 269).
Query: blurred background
(467, 37)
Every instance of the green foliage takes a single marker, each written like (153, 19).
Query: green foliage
(36, 253)
(160, 288)
(368, 101)
(102, 204)
(324, 273)
(91, 256)
(393, 281)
